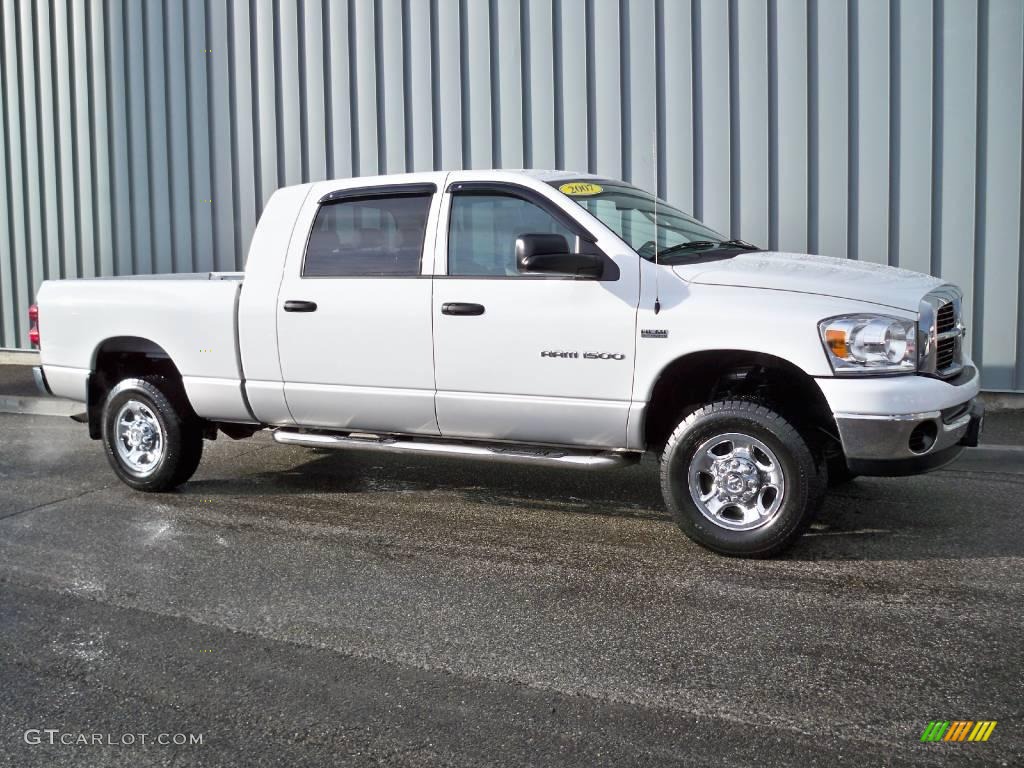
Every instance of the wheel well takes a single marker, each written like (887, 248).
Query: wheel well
(702, 377)
(119, 358)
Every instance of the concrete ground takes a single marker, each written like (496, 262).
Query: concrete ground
(18, 394)
(17, 380)
(305, 608)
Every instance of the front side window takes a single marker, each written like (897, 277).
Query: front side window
(368, 237)
(483, 230)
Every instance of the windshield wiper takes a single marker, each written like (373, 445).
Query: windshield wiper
(693, 244)
(706, 246)
(739, 244)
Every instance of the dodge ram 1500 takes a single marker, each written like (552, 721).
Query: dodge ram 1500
(550, 318)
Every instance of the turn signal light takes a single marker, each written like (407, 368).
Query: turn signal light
(836, 341)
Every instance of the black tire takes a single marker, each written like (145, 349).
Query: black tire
(180, 429)
(802, 479)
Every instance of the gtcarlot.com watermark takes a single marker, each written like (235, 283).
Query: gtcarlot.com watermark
(56, 736)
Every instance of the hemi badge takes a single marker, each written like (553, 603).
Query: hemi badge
(659, 333)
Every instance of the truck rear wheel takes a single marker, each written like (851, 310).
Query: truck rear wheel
(151, 443)
(739, 479)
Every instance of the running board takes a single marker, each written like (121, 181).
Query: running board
(537, 455)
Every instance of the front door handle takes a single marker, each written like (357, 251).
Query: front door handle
(461, 308)
(299, 306)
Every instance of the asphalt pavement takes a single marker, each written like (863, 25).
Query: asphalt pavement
(295, 607)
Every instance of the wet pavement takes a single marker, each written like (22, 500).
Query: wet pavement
(309, 608)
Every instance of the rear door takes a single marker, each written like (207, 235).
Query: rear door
(354, 310)
(528, 358)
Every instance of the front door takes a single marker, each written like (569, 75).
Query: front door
(528, 358)
(354, 313)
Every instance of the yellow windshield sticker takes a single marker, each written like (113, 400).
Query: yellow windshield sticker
(581, 188)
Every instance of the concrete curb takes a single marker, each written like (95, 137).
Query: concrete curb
(1007, 459)
(992, 458)
(1003, 401)
(40, 406)
(18, 357)
(998, 449)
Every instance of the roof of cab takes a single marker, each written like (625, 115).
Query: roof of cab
(541, 175)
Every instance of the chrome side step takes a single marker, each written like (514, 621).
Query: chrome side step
(537, 455)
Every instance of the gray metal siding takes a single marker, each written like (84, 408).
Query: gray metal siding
(145, 137)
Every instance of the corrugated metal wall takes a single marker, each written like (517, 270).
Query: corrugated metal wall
(145, 136)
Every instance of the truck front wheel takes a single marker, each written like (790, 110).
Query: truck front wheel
(739, 479)
(152, 444)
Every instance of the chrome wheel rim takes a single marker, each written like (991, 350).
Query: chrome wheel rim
(737, 482)
(140, 440)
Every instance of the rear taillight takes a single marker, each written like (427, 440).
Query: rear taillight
(33, 325)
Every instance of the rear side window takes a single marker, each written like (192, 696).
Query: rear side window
(368, 237)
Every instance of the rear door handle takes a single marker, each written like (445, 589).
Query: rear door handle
(461, 308)
(299, 306)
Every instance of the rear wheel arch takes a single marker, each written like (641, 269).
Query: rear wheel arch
(121, 357)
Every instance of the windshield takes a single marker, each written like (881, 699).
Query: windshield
(630, 213)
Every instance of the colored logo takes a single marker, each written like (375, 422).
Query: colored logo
(958, 730)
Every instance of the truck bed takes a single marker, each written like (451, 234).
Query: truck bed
(192, 318)
(176, 276)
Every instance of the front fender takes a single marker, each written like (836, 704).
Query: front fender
(701, 318)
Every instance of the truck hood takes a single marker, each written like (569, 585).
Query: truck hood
(820, 275)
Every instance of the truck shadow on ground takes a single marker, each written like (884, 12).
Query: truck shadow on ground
(949, 514)
(629, 493)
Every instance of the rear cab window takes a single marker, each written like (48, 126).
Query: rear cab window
(369, 233)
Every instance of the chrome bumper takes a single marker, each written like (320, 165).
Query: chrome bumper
(909, 443)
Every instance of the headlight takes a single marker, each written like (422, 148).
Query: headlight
(860, 344)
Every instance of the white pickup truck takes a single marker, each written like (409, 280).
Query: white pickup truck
(551, 318)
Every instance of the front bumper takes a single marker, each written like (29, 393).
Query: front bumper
(880, 435)
(909, 444)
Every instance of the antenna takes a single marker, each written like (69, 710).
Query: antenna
(657, 268)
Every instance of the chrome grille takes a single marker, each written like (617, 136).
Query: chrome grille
(942, 333)
(945, 322)
(946, 355)
(945, 318)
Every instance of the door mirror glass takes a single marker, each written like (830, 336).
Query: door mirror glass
(549, 254)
